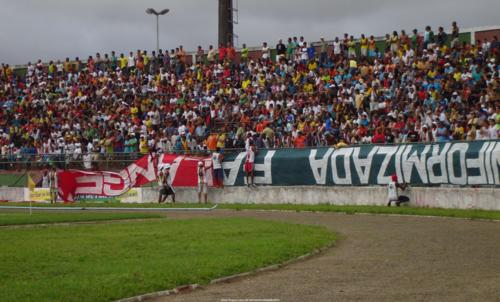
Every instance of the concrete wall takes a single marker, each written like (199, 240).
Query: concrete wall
(438, 197)
(12, 194)
(442, 197)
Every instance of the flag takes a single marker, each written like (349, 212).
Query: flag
(31, 183)
(183, 172)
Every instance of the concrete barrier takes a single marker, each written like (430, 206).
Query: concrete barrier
(12, 194)
(437, 197)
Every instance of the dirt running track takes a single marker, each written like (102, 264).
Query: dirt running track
(376, 258)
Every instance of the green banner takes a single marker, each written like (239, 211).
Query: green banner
(455, 163)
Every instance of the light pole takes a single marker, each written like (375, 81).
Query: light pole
(151, 11)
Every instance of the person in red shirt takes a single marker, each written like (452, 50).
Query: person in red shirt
(379, 137)
(231, 52)
(300, 141)
(362, 131)
(222, 53)
(399, 124)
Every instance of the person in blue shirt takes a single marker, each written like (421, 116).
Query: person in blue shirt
(311, 52)
(442, 134)
(430, 103)
(328, 123)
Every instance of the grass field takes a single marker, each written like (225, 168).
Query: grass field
(458, 213)
(113, 261)
(17, 218)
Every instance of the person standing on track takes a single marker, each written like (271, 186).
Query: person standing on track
(45, 179)
(392, 192)
(53, 184)
(202, 181)
(165, 184)
(249, 164)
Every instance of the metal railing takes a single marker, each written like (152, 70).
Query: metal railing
(97, 161)
(117, 161)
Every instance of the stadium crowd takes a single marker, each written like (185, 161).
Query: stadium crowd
(420, 87)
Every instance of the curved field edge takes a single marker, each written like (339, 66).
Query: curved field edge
(109, 262)
(404, 210)
(24, 218)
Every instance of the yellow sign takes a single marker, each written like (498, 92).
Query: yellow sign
(40, 195)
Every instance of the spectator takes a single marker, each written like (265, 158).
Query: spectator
(280, 50)
(217, 159)
(455, 32)
(266, 52)
(160, 102)
(323, 51)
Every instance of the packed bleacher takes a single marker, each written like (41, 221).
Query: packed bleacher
(420, 87)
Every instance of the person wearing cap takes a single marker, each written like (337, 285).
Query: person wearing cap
(165, 184)
(202, 181)
(392, 192)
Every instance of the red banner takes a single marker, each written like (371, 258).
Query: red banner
(183, 171)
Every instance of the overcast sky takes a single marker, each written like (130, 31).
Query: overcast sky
(55, 29)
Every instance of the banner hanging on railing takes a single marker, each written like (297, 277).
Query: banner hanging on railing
(454, 163)
(76, 184)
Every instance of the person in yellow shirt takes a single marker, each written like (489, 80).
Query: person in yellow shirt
(244, 54)
(341, 144)
(262, 80)
(145, 57)
(351, 48)
(148, 122)
(221, 140)
(363, 42)
(51, 68)
(308, 87)
(312, 65)
(143, 145)
(301, 125)
(134, 110)
(184, 144)
(353, 64)
(123, 61)
(246, 83)
(394, 42)
(432, 74)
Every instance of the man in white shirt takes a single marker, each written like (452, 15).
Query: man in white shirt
(45, 179)
(249, 164)
(131, 62)
(304, 56)
(217, 166)
(492, 129)
(337, 46)
(265, 51)
(87, 160)
(202, 181)
(392, 192)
